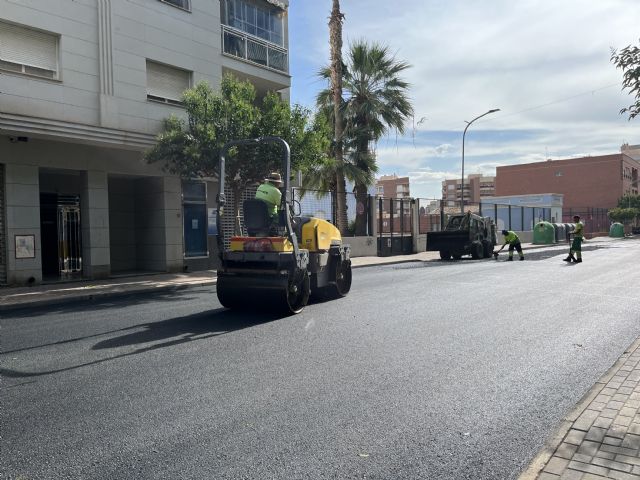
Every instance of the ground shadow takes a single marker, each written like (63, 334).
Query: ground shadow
(72, 305)
(167, 333)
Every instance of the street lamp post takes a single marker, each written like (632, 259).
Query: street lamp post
(463, 135)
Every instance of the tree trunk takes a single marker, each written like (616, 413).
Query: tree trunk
(362, 195)
(335, 40)
(361, 188)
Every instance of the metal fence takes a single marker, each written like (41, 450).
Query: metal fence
(433, 214)
(321, 204)
(595, 220)
(395, 216)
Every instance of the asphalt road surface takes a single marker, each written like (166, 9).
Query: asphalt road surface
(437, 370)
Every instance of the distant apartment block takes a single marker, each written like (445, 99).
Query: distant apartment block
(476, 186)
(584, 182)
(392, 186)
(84, 90)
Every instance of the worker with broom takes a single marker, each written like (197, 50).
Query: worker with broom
(513, 240)
(576, 244)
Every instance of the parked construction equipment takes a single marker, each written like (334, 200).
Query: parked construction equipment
(278, 267)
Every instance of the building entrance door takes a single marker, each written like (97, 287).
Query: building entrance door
(61, 234)
(3, 237)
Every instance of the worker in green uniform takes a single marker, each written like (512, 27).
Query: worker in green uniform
(576, 244)
(514, 244)
(269, 193)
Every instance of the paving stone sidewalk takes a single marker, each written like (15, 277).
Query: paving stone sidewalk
(600, 439)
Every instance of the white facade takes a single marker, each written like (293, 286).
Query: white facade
(84, 88)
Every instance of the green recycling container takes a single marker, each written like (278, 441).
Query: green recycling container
(616, 230)
(544, 233)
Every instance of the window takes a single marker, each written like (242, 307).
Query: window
(260, 21)
(184, 4)
(28, 51)
(194, 208)
(165, 83)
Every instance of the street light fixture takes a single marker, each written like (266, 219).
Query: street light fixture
(463, 135)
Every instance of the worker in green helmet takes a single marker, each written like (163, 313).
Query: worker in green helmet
(269, 192)
(576, 244)
(513, 240)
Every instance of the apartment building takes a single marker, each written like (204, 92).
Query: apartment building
(593, 182)
(476, 186)
(392, 186)
(84, 88)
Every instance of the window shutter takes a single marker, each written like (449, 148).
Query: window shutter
(28, 47)
(166, 82)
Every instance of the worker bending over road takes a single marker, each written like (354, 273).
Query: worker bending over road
(512, 239)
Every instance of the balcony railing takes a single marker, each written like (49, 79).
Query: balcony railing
(252, 49)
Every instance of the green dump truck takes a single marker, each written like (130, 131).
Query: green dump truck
(464, 234)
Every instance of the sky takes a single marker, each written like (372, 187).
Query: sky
(545, 64)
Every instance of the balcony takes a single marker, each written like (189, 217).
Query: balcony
(254, 50)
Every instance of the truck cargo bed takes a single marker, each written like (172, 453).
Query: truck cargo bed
(456, 240)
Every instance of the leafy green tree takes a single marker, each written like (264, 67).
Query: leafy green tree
(190, 147)
(375, 102)
(628, 60)
(623, 215)
(629, 201)
(628, 210)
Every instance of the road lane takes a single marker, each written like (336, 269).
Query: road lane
(436, 370)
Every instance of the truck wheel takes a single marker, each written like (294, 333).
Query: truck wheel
(487, 248)
(445, 255)
(477, 251)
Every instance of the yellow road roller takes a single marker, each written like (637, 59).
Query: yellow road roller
(278, 267)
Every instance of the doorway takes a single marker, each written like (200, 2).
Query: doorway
(61, 236)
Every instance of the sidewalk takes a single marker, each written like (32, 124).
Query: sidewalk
(57, 293)
(600, 439)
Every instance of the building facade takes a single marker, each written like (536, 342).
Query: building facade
(476, 186)
(392, 186)
(593, 182)
(84, 88)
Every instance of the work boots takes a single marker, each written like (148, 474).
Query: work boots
(570, 258)
(579, 260)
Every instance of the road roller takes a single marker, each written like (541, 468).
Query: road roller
(278, 265)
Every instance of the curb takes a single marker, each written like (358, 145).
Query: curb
(98, 296)
(133, 291)
(535, 467)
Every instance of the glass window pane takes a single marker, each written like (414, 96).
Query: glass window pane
(194, 192)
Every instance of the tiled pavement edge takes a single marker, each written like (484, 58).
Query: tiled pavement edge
(600, 438)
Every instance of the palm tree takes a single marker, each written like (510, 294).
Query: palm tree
(374, 101)
(321, 176)
(336, 75)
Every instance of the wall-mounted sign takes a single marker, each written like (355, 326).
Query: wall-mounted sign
(25, 246)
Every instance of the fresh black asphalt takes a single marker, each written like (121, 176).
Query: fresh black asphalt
(436, 370)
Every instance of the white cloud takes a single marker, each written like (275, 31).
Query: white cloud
(544, 64)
